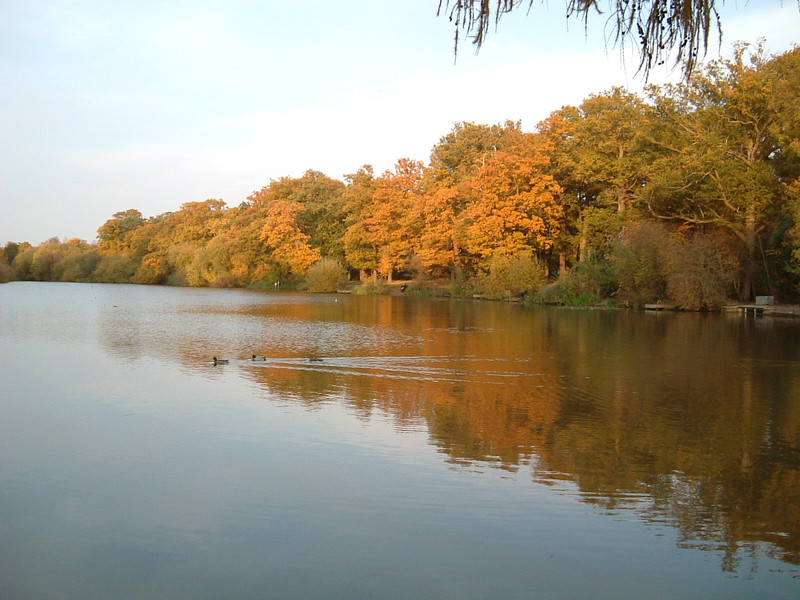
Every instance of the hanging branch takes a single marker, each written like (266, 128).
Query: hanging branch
(662, 27)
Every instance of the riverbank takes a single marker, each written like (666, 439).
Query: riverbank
(772, 310)
(441, 288)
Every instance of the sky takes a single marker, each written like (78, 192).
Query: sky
(107, 105)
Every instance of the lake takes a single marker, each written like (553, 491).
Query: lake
(391, 448)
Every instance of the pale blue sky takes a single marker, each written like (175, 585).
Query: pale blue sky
(108, 105)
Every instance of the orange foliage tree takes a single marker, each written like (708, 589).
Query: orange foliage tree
(289, 245)
(388, 225)
(516, 207)
(360, 253)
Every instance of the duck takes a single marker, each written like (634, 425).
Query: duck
(220, 361)
(258, 358)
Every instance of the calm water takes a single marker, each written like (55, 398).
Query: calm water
(440, 450)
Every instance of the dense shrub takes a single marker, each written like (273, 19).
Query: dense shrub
(422, 290)
(638, 261)
(460, 285)
(701, 271)
(74, 260)
(22, 264)
(118, 268)
(6, 273)
(153, 270)
(508, 276)
(589, 278)
(43, 264)
(326, 275)
(79, 266)
(267, 279)
(372, 286)
(600, 227)
(589, 282)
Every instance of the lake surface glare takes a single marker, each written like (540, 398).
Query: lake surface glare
(391, 448)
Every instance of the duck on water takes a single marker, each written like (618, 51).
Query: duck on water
(256, 358)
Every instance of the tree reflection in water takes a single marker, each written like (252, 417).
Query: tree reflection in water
(690, 420)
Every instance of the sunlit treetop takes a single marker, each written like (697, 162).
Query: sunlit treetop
(660, 28)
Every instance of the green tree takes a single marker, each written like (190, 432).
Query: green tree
(461, 153)
(600, 156)
(785, 103)
(607, 151)
(717, 130)
(10, 251)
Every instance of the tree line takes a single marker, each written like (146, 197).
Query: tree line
(688, 193)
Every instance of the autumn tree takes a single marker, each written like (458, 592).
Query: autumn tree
(198, 221)
(516, 207)
(321, 217)
(358, 195)
(599, 155)
(785, 103)
(455, 161)
(389, 226)
(462, 152)
(717, 129)
(440, 216)
(10, 251)
(289, 245)
(113, 233)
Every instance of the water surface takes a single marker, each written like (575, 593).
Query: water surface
(439, 449)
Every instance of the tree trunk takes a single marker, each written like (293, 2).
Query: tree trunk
(748, 268)
(583, 249)
(621, 201)
(620, 190)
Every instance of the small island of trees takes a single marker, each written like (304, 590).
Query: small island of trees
(690, 194)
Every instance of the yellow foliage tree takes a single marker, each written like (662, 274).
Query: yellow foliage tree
(290, 246)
